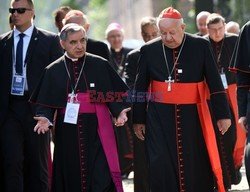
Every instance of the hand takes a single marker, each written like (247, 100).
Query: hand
(223, 125)
(122, 118)
(42, 125)
(243, 123)
(139, 130)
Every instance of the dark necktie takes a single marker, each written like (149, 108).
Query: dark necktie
(19, 55)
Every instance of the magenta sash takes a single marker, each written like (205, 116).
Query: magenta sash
(106, 133)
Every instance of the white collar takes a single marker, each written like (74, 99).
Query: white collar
(28, 31)
(73, 59)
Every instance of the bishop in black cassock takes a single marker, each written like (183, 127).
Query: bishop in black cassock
(231, 145)
(85, 155)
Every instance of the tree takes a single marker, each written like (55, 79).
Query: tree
(223, 7)
(97, 13)
(71, 3)
(201, 5)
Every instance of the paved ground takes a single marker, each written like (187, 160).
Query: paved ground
(242, 187)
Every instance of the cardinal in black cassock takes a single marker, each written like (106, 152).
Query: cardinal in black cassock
(179, 133)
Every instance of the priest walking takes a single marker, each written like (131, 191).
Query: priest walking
(175, 120)
(240, 64)
(231, 145)
(77, 85)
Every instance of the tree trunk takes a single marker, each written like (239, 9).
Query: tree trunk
(201, 5)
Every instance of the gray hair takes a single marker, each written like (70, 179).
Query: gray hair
(145, 21)
(179, 21)
(70, 28)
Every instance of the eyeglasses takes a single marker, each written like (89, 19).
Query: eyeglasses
(20, 10)
(213, 30)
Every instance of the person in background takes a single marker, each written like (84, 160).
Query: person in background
(149, 31)
(59, 15)
(175, 121)
(201, 23)
(233, 27)
(11, 22)
(240, 64)
(93, 46)
(85, 156)
(24, 52)
(115, 35)
(231, 145)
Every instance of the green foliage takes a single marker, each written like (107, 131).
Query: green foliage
(97, 2)
(71, 3)
(240, 11)
(98, 16)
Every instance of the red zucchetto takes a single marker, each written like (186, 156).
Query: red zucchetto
(170, 13)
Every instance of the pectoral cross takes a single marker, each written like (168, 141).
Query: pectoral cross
(169, 81)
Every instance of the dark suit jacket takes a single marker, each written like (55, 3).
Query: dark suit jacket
(98, 48)
(131, 67)
(43, 49)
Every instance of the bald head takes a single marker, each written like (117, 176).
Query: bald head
(78, 17)
(233, 27)
(201, 22)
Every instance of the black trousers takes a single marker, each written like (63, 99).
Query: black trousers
(25, 153)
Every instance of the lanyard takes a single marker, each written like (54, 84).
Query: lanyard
(74, 88)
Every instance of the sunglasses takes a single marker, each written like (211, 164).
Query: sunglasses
(18, 10)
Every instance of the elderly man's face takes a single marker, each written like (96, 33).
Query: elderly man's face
(115, 38)
(75, 44)
(149, 32)
(172, 32)
(201, 24)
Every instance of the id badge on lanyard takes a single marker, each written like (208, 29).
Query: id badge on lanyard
(72, 109)
(18, 84)
(224, 80)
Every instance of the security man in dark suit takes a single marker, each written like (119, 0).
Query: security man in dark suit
(24, 53)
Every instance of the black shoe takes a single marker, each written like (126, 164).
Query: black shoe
(238, 177)
(125, 176)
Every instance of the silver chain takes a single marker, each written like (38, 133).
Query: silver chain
(165, 57)
(74, 88)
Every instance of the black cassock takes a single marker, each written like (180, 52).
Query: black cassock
(223, 51)
(178, 157)
(124, 133)
(241, 64)
(140, 160)
(79, 160)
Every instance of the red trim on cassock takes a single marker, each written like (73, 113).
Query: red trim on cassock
(195, 93)
(240, 133)
(236, 69)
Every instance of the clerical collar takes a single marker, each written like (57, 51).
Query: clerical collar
(117, 50)
(72, 59)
